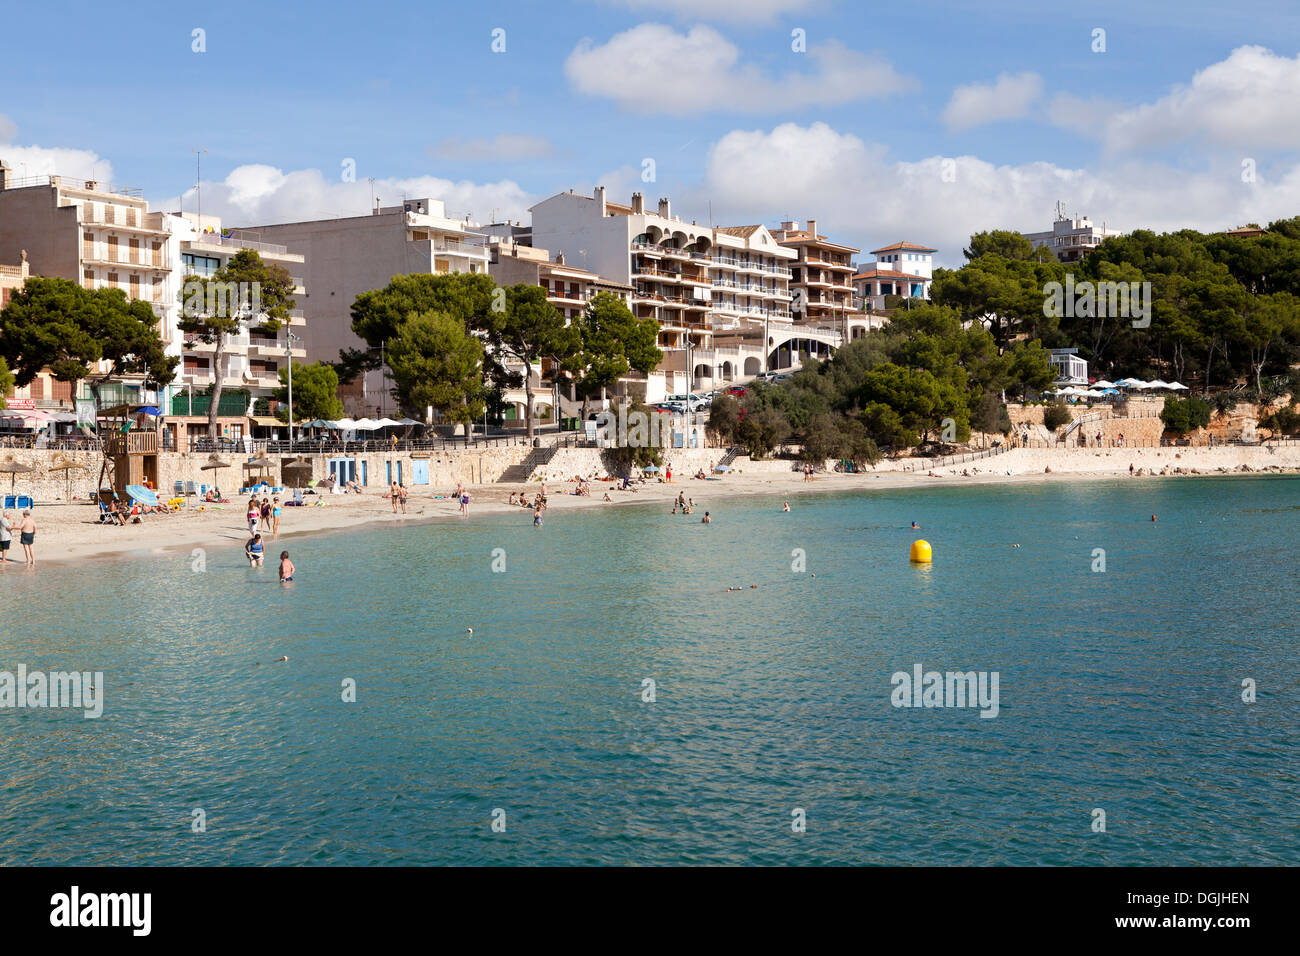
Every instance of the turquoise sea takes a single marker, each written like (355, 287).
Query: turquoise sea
(1119, 690)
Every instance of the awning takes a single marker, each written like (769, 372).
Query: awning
(266, 421)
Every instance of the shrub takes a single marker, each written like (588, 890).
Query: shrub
(1056, 415)
(1183, 415)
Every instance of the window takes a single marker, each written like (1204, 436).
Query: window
(200, 265)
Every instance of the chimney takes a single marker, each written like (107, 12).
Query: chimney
(559, 258)
(638, 203)
(812, 228)
(789, 226)
(598, 194)
(665, 209)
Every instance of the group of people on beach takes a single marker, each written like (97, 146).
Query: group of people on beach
(266, 513)
(538, 503)
(397, 494)
(26, 528)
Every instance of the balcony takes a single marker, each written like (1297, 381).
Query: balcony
(146, 223)
(95, 259)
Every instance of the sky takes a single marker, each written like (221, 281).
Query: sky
(923, 121)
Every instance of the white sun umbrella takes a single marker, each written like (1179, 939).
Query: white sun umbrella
(1178, 386)
(1103, 384)
(387, 423)
(1158, 383)
(1130, 383)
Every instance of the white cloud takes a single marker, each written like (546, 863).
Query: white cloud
(1008, 97)
(652, 68)
(859, 194)
(28, 161)
(503, 147)
(260, 194)
(737, 11)
(1249, 100)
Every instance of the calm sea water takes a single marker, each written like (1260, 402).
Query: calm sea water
(1118, 690)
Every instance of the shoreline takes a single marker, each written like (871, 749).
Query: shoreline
(70, 533)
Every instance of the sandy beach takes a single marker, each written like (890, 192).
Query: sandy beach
(72, 532)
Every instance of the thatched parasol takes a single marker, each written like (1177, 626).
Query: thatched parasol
(213, 463)
(13, 468)
(296, 473)
(67, 466)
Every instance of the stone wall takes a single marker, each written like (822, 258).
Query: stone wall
(445, 469)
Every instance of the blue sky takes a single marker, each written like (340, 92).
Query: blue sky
(852, 132)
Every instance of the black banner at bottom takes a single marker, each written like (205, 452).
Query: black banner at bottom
(373, 905)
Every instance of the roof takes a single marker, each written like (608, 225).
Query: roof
(904, 247)
(799, 237)
(744, 232)
(889, 274)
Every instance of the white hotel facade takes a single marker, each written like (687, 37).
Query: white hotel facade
(721, 295)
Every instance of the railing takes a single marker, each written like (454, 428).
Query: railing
(89, 185)
(949, 460)
(216, 239)
(132, 443)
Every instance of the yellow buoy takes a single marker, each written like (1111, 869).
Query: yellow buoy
(921, 551)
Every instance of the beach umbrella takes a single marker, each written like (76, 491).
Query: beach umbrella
(650, 468)
(1103, 384)
(1129, 383)
(13, 469)
(1157, 384)
(296, 473)
(67, 466)
(722, 468)
(213, 463)
(1178, 386)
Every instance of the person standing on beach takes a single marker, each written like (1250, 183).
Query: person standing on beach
(6, 537)
(392, 495)
(275, 518)
(27, 536)
(252, 516)
(266, 514)
(464, 504)
(401, 496)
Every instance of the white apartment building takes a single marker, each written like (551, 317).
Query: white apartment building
(1071, 239)
(698, 282)
(347, 256)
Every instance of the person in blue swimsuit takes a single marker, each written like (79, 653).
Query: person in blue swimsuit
(254, 549)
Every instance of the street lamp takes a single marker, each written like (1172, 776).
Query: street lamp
(289, 339)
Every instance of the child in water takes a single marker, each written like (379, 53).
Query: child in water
(286, 568)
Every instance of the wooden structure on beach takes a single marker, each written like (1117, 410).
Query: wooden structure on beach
(130, 454)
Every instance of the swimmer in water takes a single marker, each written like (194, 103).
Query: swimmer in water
(787, 506)
(1153, 517)
(916, 526)
(286, 568)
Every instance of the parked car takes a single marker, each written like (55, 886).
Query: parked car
(737, 390)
